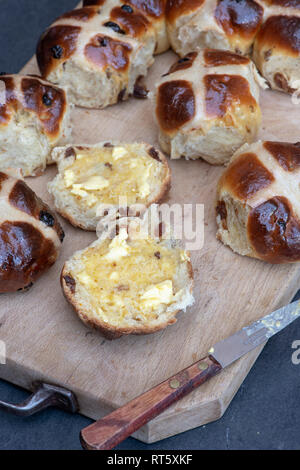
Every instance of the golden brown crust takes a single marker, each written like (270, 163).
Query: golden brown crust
(133, 23)
(257, 210)
(108, 331)
(25, 200)
(242, 18)
(30, 235)
(152, 8)
(224, 91)
(184, 63)
(280, 33)
(3, 177)
(45, 100)
(245, 176)
(105, 51)
(175, 104)
(198, 104)
(25, 254)
(176, 8)
(238, 19)
(217, 58)
(286, 154)
(55, 46)
(85, 29)
(274, 231)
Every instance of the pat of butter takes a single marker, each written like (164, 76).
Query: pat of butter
(133, 163)
(119, 152)
(118, 302)
(94, 183)
(78, 192)
(69, 178)
(118, 248)
(85, 279)
(158, 294)
(114, 276)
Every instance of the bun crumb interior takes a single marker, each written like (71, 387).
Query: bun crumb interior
(129, 284)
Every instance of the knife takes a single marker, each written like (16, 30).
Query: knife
(109, 431)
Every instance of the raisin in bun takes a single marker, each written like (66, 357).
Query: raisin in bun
(258, 202)
(97, 52)
(277, 46)
(34, 118)
(129, 283)
(100, 51)
(208, 105)
(30, 235)
(153, 10)
(95, 180)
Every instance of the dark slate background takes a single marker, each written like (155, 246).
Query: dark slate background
(265, 413)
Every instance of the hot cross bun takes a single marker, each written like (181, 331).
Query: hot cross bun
(208, 105)
(277, 46)
(110, 176)
(271, 26)
(154, 10)
(30, 234)
(258, 203)
(218, 24)
(34, 117)
(98, 52)
(134, 281)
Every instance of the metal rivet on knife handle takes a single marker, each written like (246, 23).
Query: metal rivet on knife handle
(174, 383)
(202, 366)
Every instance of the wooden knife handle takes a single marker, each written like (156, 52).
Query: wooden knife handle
(109, 431)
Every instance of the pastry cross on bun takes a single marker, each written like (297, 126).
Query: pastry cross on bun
(271, 28)
(219, 24)
(208, 105)
(277, 45)
(258, 203)
(101, 50)
(98, 52)
(153, 10)
(30, 235)
(133, 282)
(34, 117)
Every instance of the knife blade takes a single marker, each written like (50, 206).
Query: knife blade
(109, 431)
(232, 348)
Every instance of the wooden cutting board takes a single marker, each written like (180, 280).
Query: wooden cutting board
(46, 341)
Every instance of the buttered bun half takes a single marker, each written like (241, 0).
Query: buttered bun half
(132, 282)
(94, 180)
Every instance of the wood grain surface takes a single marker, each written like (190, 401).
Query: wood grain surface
(114, 428)
(46, 341)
